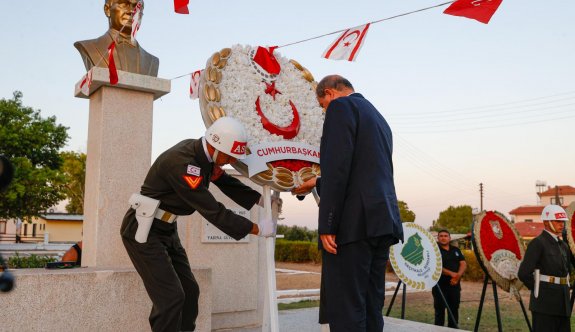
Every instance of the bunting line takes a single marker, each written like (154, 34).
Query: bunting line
(343, 30)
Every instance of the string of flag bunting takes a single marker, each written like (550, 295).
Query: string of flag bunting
(345, 47)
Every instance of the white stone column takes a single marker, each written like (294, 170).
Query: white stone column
(118, 158)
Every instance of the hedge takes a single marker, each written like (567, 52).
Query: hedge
(304, 251)
(297, 251)
(32, 261)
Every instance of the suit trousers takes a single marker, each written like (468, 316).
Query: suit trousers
(547, 323)
(452, 297)
(353, 285)
(165, 270)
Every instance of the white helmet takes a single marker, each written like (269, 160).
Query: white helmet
(553, 212)
(227, 135)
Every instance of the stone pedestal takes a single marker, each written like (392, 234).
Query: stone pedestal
(88, 299)
(118, 158)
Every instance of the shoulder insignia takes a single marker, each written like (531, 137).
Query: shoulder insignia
(193, 181)
(193, 170)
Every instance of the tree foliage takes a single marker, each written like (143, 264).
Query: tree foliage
(455, 219)
(74, 168)
(405, 213)
(32, 144)
(297, 233)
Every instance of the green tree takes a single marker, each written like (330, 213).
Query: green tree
(74, 168)
(455, 219)
(297, 233)
(32, 144)
(405, 213)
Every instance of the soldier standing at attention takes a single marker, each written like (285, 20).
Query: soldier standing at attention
(545, 271)
(177, 184)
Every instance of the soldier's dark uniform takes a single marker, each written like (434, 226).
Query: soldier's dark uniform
(161, 261)
(551, 310)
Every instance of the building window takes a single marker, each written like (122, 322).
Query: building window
(554, 201)
(2, 226)
(26, 229)
(528, 220)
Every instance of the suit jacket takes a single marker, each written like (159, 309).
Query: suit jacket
(552, 258)
(128, 57)
(358, 199)
(179, 179)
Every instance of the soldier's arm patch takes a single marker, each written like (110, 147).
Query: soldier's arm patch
(193, 181)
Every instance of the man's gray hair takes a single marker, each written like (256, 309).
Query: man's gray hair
(336, 82)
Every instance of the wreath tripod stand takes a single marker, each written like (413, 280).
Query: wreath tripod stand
(496, 300)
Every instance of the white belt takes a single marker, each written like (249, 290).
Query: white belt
(554, 280)
(165, 216)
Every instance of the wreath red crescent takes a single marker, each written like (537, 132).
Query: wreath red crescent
(497, 245)
(269, 105)
(287, 132)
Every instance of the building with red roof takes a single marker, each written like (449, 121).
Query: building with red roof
(527, 218)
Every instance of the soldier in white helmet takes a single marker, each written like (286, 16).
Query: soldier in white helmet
(177, 184)
(545, 271)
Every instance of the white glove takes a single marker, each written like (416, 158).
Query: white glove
(267, 228)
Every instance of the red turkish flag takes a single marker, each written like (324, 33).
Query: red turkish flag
(195, 84)
(480, 10)
(181, 6)
(112, 64)
(348, 44)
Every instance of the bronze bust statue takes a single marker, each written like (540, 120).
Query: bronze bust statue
(128, 56)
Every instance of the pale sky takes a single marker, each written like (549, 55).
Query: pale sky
(467, 102)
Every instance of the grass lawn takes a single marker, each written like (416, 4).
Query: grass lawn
(419, 308)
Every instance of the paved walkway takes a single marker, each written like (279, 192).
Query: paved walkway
(305, 320)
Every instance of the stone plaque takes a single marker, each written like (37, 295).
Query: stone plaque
(211, 234)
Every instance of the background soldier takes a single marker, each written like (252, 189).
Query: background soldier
(453, 268)
(178, 181)
(545, 271)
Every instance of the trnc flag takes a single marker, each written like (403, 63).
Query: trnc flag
(112, 64)
(181, 6)
(86, 82)
(348, 44)
(136, 19)
(479, 10)
(195, 84)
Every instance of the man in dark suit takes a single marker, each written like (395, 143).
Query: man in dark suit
(358, 214)
(128, 56)
(545, 271)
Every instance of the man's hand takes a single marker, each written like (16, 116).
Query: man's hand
(267, 228)
(328, 242)
(455, 279)
(305, 188)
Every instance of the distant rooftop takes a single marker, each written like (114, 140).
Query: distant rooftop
(563, 190)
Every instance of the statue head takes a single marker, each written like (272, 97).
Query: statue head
(119, 13)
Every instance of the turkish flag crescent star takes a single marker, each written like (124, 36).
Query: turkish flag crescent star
(347, 45)
(136, 17)
(195, 84)
(181, 6)
(479, 10)
(112, 64)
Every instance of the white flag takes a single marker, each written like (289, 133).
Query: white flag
(195, 84)
(86, 82)
(136, 19)
(347, 45)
